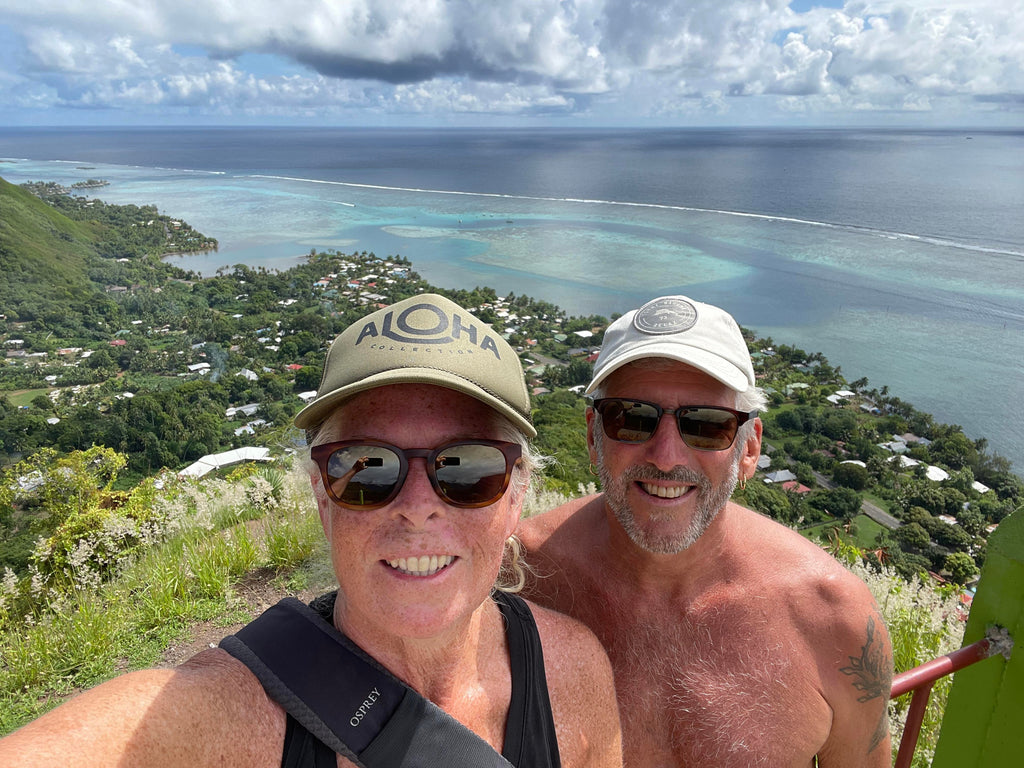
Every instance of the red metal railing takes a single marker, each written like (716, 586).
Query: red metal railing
(921, 679)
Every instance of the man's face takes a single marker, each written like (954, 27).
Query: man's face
(417, 566)
(663, 493)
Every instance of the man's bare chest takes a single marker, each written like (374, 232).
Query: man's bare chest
(721, 685)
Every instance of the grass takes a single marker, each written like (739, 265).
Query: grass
(25, 396)
(865, 530)
(76, 639)
(879, 501)
(224, 540)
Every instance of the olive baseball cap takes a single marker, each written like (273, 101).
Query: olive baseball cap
(426, 339)
(678, 328)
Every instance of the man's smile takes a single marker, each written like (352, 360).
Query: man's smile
(665, 491)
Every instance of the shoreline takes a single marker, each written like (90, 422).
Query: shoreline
(895, 322)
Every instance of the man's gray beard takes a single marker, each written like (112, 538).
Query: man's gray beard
(711, 499)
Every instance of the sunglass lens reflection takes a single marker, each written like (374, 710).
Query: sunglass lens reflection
(470, 474)
(465, 475)
(629, 422)
(707, 428)
(363, 474)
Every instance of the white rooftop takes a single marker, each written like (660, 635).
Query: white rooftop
(214, 461)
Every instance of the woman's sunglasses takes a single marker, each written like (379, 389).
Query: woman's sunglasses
(366, 474)
(704, 427)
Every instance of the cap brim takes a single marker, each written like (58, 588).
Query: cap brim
(320, 409)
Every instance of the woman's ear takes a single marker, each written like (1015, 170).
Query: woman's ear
(591, 426)
(323, 504)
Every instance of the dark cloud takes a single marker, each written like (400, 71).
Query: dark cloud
(454, 62)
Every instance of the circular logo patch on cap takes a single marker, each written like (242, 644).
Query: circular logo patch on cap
(670, 314)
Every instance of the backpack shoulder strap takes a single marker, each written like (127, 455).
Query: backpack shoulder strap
(347, 699)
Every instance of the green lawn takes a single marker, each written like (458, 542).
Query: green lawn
(25, 396)
(864, 538)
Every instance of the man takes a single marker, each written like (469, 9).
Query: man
(419, 460)
(734, 641)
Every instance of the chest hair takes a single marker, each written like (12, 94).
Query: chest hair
(712, 686)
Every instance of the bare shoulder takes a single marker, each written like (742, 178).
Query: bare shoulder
(209, 711)
(783, 550)
(821, 594)
(581, 689)
(563, 532)
(238, 707)
(536, 530)
(856, 668)
(835, 615)
(567, 636)
(559, 550)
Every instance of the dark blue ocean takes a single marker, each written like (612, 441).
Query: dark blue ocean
(898, 254)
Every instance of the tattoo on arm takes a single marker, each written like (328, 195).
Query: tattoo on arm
(872, 676)
(881, 730)
(871, 669)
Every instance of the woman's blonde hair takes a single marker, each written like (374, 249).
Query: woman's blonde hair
(512, 576)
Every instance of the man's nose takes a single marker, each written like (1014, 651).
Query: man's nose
(665, 448)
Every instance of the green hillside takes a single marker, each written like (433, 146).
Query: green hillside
(44, 256)
(64, 257)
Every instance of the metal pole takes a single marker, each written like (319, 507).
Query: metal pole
(912, 728)
(920, 679)
(932, 670)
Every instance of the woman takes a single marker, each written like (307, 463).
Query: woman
(419, 467)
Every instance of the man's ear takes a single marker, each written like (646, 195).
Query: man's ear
(751, 450)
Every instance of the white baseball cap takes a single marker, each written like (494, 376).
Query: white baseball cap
(678, 328)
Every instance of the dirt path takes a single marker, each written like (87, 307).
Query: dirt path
(257, 592)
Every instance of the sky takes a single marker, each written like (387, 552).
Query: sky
(572, 63)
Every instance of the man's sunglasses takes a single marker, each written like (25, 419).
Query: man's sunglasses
(704, 427)
(366, 474)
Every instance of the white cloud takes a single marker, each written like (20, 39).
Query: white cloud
(432, 58)
(801, 70)
(938, 51)
(481, 98)
(53, 52)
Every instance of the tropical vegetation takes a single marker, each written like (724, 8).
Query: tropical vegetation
(120, 370)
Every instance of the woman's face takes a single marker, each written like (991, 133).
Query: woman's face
(417, 567)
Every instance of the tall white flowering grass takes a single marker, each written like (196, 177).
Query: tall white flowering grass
(538, 499)
(117, 595)
(102, 599)
(924, 622)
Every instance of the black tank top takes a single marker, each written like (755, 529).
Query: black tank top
(530, 731)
